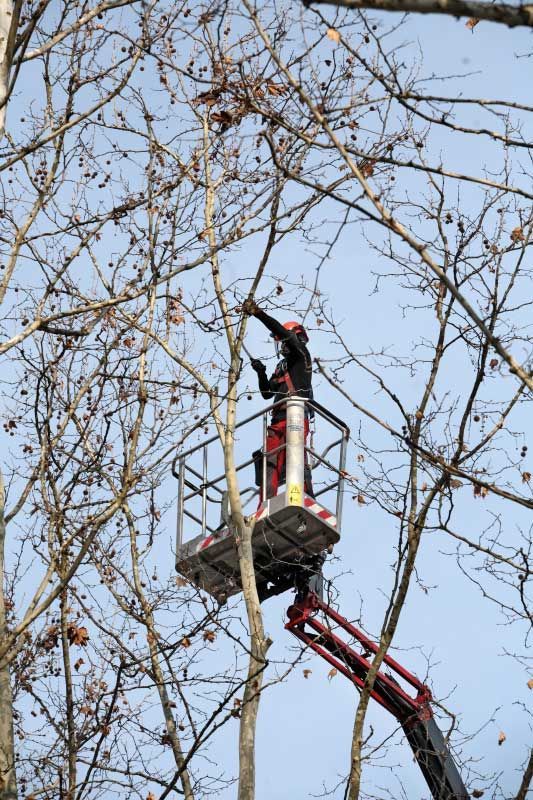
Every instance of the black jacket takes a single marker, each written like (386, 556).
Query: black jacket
(296, 368)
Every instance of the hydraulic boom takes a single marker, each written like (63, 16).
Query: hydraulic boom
(413, 713)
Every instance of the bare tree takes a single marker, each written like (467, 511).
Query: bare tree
(163, 146)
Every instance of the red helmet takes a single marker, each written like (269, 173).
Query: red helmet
(294, 327)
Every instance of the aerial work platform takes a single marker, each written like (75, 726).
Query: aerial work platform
(289, 530)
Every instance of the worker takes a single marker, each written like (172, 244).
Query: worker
(293, 375)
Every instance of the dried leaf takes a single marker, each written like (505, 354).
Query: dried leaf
(79, 636)
(334, 35)
(129, 341)
(501, 738)
(307, 672)
(87, 710)
(517, 234)
(78, 664)
(478, 793)
(208, 98)
(150, 796)
(361, 499)
(526, 477)
(455, 484)
(360, 458)
(209, 636)
(530, 683)
(471, 23)
(224, 117)
(175, 312)
(51, 638)
(493, 363)
(185, 642)
(332, 673)
(276, 89)
(366, 168)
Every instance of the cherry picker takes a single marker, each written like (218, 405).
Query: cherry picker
(291, 533)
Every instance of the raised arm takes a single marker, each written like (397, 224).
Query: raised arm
(275, 327)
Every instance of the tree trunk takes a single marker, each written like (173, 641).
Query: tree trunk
(8, 778)
(256, 665)
(259, 644)
(9, 20)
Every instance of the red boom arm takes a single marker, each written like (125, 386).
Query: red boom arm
(413, 713)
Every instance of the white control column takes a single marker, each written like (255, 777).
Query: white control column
(295, 457)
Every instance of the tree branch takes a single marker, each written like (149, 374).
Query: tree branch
(526, 780)
(512, 16)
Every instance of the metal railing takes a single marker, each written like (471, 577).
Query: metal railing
(202, 499)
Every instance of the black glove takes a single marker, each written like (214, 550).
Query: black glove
(257, 365)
